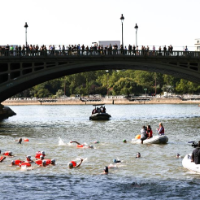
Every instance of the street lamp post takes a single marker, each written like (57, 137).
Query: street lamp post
(136, 28)
(26, 26)
(122, 20)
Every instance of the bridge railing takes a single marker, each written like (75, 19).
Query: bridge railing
(107, 52)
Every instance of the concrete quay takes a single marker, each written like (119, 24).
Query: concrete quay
(110, 100)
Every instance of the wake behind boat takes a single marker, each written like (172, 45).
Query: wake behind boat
(186, 162)
(158, 139)
(99, 113)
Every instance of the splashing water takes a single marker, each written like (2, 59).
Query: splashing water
(60, 142)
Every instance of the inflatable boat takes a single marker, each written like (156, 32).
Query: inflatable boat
(100, 116)
(99, 113)
(158, 139)
(186, 162)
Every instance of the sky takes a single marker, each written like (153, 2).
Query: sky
(64, 22)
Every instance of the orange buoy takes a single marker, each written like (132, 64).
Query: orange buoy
(80, 145)
(26, 140)
(137, 136)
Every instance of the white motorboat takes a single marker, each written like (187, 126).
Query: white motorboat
(186, 162)
(158, 139)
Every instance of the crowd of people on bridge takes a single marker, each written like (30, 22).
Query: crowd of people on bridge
(77, 49)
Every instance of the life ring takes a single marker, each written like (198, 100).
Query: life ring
(137, 136)
(26, 140)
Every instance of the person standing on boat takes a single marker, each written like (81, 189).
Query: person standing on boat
(104, 109)
(196, 155)
(149, 132)
(161, 130)
(143, 134)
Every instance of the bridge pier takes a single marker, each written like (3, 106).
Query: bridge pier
(5, 112)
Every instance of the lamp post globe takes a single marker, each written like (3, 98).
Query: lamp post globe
(122, 20)
(26, 26)
(136, 28)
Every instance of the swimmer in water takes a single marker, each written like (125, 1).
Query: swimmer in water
(73, 164)
(116, 161)
(178, 155)
(28, 159)
(105, 170)
(82, 145)
(39, 161)
(16, 162)
(19, 141)
(2, 158)
(138, 155)
(50, 161)
(8, 153)
(124, 141)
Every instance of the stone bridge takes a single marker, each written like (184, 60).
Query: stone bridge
(22, 70)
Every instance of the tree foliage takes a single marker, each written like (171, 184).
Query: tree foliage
(115, 82)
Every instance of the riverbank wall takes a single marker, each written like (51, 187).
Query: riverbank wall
(116, 101)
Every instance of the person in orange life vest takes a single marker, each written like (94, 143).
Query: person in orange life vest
(50, 161)
(149, 132)
(82, 145)
(161, 130)
(28, 159)
(38, 154)
(8, 153)
(27, 164)
(44, 164)
(2, 158)
(16, 162)
(73, 164)
(39, 162)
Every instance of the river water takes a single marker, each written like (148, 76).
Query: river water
(158, 174)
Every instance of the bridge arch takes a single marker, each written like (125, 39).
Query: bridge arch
(20, 73)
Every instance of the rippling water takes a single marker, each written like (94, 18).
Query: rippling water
(158, 174)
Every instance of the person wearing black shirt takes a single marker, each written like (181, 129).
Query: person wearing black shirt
(196, 155)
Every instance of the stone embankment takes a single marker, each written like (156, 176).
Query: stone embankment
(110, 100)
